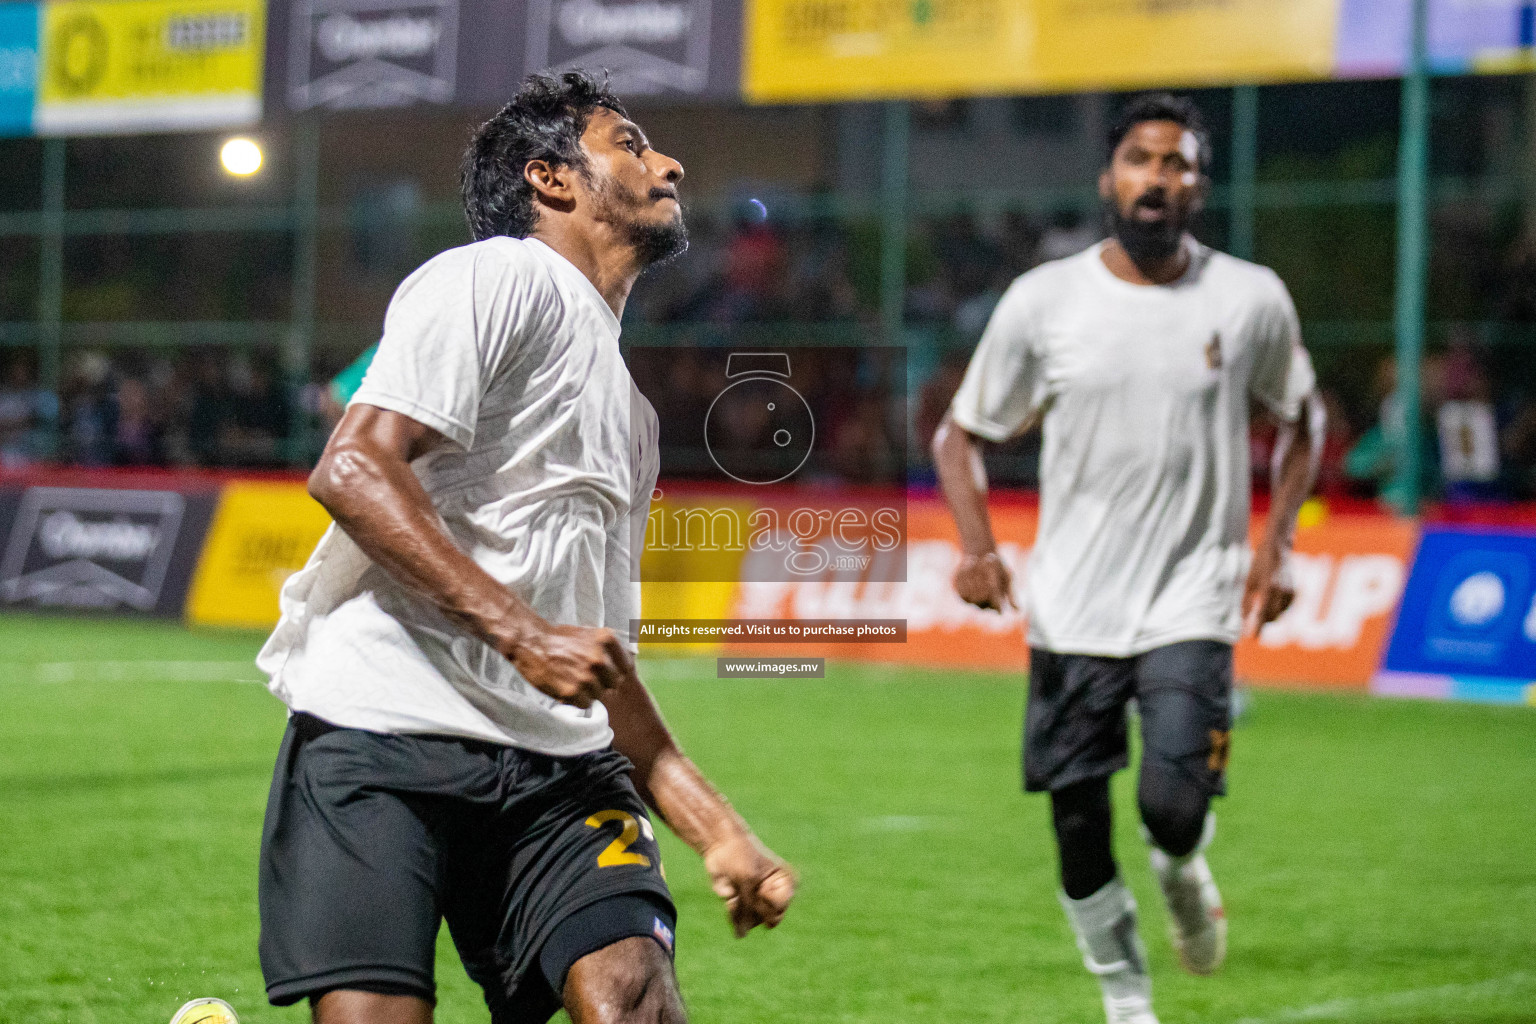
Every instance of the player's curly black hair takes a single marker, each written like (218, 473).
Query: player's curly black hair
(1160, 106)
(544, 121)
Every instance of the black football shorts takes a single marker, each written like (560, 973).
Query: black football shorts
(1074, 725)
(371, 840)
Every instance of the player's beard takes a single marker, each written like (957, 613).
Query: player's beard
(653, 243)
(1144, 241)
(657, 243)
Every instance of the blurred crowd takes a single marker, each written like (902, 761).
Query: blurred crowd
(749, 280)
(1477, 435)
(855, 423)
(211, 407)
(753, 270)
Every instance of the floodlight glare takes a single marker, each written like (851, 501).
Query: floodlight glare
(241, 157)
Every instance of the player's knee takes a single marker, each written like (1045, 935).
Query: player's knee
(640, 996)
(346, 1006)
(1173, 809)
(658, 1002)
(629, 982)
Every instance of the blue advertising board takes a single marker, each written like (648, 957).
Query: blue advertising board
(1467, 625)
(1479, 36)
(18, 67)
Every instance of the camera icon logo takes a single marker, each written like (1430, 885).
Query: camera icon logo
(759, 430)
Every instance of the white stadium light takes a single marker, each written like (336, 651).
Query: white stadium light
(241, 157)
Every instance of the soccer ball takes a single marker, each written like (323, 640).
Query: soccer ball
(205, 1011)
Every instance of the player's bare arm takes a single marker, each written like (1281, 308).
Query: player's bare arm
(364, 480)
(1268, 591)
(756, 885)
(983, 578)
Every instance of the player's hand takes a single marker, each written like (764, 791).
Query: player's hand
(755, 884)
(573, 664)
(984, 581)
(1269, 589)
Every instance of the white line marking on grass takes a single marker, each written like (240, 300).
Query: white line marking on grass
(134, 672)
(1348, 1008)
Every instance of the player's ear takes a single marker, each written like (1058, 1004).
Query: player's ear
(551, 181)
(1107, 184)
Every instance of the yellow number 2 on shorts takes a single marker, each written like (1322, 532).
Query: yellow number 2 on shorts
(617, 852)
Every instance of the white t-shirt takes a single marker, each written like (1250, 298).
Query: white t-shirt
(1144, 475)
(509, 352)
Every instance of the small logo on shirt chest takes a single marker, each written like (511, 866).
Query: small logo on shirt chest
(1213, 352)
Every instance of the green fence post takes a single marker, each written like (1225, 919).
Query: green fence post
(301, 330)
(1412, 260)
(50, 287)
(893, 221)
(1245, 161)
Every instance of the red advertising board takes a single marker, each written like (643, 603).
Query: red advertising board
(1351, 566)
(1349, 574)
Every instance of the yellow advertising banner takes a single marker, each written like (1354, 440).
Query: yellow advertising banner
(261, 534)
(809, 50)
(148, 65)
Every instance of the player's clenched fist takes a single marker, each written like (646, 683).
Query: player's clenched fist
(573, 664)
(755, 884)
(984, 581)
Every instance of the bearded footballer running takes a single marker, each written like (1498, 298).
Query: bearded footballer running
(468, 737)
(1140, 358)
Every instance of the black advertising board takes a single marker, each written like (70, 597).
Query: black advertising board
(378, 54)
(649, 47)
(350, 54)
(94, 549)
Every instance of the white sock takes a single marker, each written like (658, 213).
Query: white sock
(1105, 925)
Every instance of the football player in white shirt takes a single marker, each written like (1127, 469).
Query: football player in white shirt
(469, 740)
(1139, 358)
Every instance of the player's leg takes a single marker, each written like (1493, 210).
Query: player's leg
(1084, 827)
(1184, 691)
(628, 982)
(544, 903)
(349, 1006)
(1074, 741)
(346, 889)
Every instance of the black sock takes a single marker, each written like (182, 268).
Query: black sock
(1083, 823)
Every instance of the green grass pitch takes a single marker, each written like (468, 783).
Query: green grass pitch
(1378, 858)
